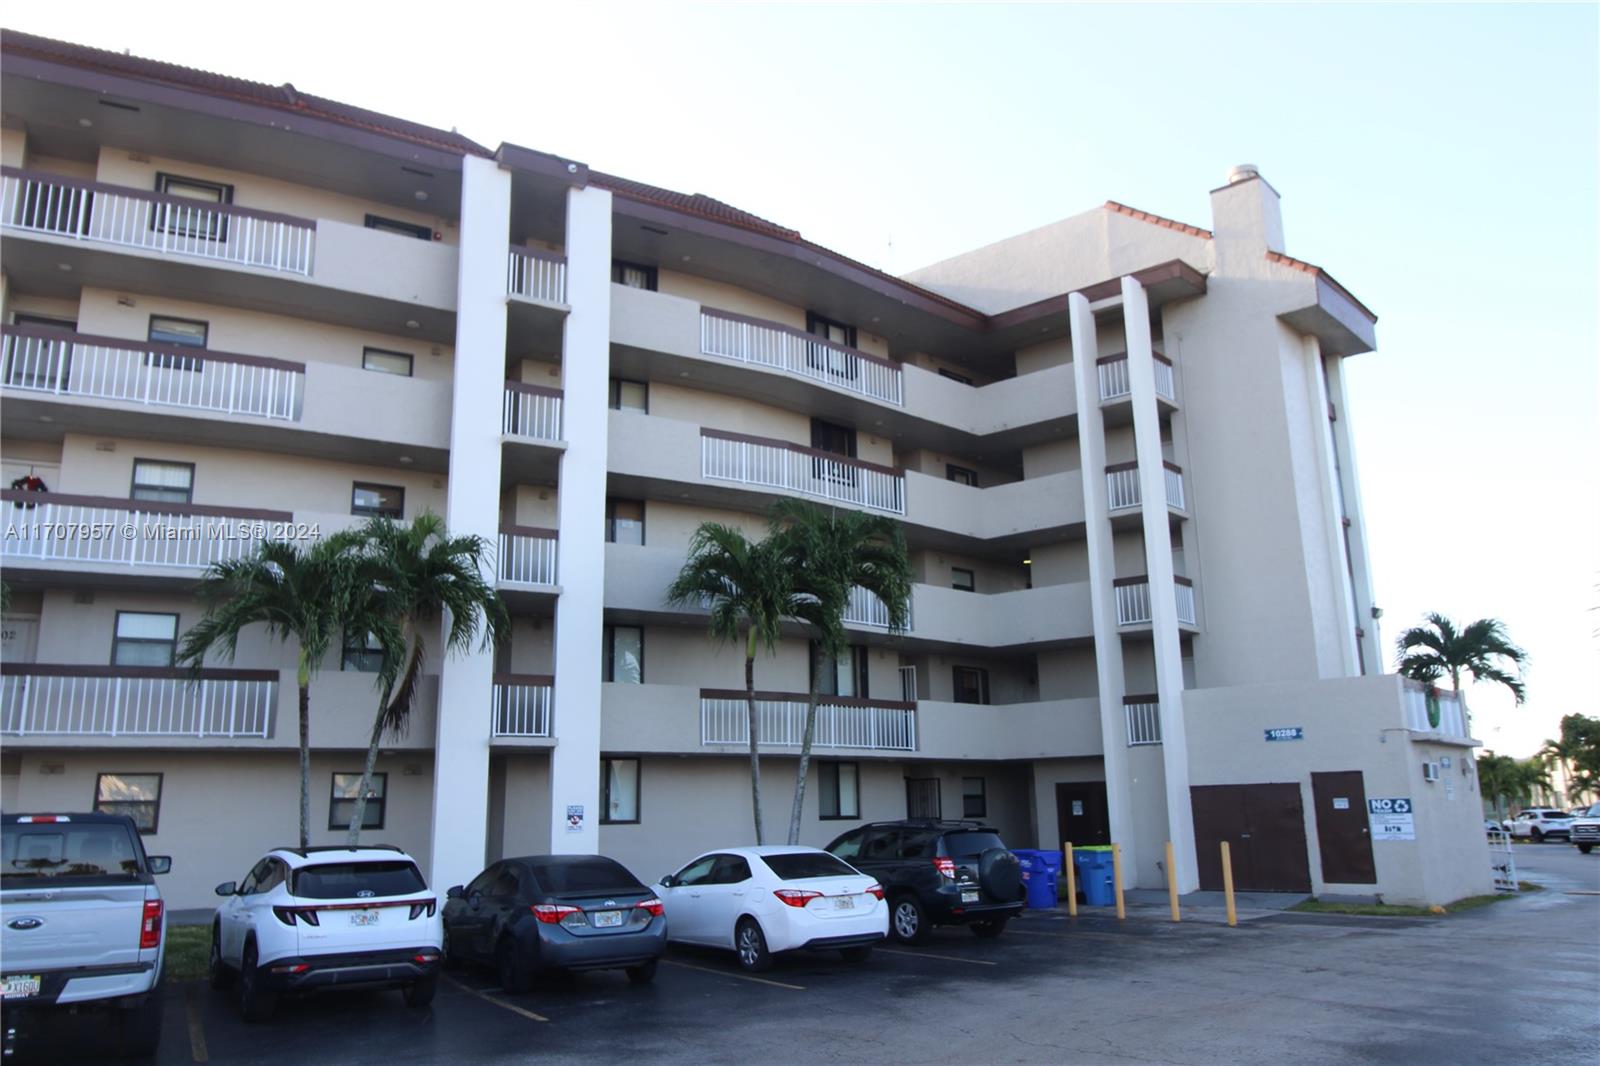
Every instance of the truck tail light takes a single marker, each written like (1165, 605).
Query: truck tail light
(796, 897)
(150, 925)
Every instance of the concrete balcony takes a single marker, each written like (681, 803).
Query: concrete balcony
(531, 412)
(1123, 491)
(799, 354)
(82, 705)
(116, 237)
(1115, 385)
(859, 725)
(1143, 715)
(1133, 601)
(778, 464)
(527, 556)
(522, 706)
(1038, 730)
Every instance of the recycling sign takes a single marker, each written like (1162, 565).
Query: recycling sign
(1391, 819)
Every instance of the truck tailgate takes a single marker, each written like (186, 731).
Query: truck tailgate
(77, 926)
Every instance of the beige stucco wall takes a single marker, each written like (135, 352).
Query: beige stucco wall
(726, 297)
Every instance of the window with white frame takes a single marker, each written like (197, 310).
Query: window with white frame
(619, 787)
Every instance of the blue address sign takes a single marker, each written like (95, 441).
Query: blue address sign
(1288, 732)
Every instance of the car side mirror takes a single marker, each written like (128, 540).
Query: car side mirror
(228, 888)
(455, 892)
(669, 881)
(158, 864)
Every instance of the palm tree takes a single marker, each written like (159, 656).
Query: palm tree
(748, 590)
(419, 575)
(1438, 649)
(1496, 782)
(306, 594)
(832, 552)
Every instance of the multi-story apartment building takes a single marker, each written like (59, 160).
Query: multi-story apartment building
(1119, 446)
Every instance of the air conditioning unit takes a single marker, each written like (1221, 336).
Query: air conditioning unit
(1430, 771)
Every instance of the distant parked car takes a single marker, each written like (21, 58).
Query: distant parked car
(938, 873)
(1491, 827)
(540, 913)
(84, 924)
(306, 919)
(1542, 823)
(1585, 829)
(761, 901)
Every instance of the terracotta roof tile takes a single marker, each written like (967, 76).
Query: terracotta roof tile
(1157, 220)
(281, 97)
(1316, 271)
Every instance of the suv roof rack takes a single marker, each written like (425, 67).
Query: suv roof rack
(940, 822)
(320, 848)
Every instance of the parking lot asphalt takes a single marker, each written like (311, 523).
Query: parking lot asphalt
(1283, 987)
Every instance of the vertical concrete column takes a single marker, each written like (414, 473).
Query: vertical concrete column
(1102, 571)
(580, 515)
(1158, 565)
(1343, 591)
(1344, 442)
(472, 505)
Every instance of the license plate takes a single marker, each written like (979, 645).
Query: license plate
(20, 986)
(363, 917)
(969, 897)
(844, 903)
(602, 919)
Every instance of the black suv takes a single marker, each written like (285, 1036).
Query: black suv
(937, 873)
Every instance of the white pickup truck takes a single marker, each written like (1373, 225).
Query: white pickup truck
(81, 925)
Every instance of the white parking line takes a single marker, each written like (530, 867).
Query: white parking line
(930, 955)
(197, 1030)
(489, 998)
(740, 976)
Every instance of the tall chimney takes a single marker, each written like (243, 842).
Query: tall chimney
(1245, 213)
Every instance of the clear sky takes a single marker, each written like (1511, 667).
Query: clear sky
(1439, 160)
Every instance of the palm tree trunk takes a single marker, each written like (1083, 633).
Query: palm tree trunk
(817, 665)
(755, 731)
(357, 816)
(305, 752)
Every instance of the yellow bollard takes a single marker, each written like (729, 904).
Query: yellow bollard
(1072, 879)
(1227, 883)
(1116, 876)
(1172, 884)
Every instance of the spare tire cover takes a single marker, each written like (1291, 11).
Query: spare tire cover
(1000, 874)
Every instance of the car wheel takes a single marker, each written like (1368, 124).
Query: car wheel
(1538, 835)
(856, 955)
(217, 972)
(420, 993)
(642, 974)
(908, 921)
(141, 1026)
(751, 946)
(1585, 848)
(514, 975)
(256, 1004)
(989, 927)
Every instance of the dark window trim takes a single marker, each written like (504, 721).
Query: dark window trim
(358, 649)
(166, 361)
(28, 318)
(356, 486)
(614, 393)
(159, 775)
(610, 637)
(652, 275)
(938, 805)
(813, 320)
(860, 666)
(983, 685)
(963, 475)
(411, 360)
(133, 478)
(116, 624)
(381, 801)
(972, 579)
(856, 817)
(399, 227)
(159, 210)
(611, 518)
(982, 796)
(638, 784)
(953, 376)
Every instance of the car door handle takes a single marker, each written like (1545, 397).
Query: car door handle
(738, 892)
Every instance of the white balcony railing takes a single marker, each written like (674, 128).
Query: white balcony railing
(874, 725)
(527, 555)
(99, 530)
(1439, 712)
(779, 464)
(865, 609)
(1115, 383)
(1144, 719)
(1123, 491)
(531, 411)
(535, 275)
(37, 699)
(109, 368)
(771, 344)
(132, 218)
(1133, 600)
(522, 705)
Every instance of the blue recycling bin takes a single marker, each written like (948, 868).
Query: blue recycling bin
(1095, 876)
(1052, 859)
(1038, 880)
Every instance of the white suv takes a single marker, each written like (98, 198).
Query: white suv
(311, 918)
(1541, 823)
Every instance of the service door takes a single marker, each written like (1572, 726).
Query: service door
(1343, 837)
(1265, 828)
(1081, 813)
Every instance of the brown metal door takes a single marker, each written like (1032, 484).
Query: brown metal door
(1081, 814)
(1265, 828)
(1343, 837)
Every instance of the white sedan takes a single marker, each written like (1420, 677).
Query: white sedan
(763, 900)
